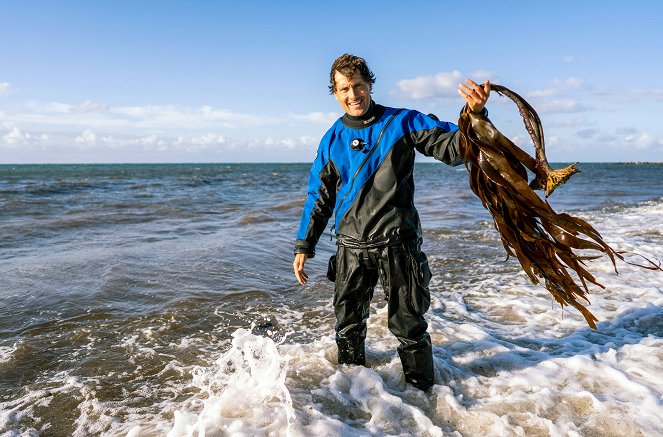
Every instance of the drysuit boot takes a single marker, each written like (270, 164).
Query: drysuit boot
(351, 352)
(417, 362)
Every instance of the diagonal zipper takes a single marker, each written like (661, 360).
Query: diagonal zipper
(368, 155)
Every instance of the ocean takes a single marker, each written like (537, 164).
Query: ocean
(159, 300)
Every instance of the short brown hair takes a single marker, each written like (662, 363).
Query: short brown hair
(348, 65)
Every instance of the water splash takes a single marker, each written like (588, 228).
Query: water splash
(246, 392)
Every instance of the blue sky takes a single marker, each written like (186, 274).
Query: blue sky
(203, 81)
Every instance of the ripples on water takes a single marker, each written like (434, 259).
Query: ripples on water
(123, 286)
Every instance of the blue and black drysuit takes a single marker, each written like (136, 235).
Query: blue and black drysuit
(363, 174)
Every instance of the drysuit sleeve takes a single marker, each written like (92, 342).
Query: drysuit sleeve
(320, 200)
(439, 139)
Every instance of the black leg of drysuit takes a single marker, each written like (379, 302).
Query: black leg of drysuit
(407, 298)
(355, 283)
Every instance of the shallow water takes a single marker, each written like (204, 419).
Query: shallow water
(159, 300)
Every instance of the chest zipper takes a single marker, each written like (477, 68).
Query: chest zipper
(352, 182)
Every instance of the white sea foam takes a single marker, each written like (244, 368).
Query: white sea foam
(6, 352)
(508, 362)
(245, 392)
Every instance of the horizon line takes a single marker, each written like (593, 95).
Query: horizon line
(278, 163)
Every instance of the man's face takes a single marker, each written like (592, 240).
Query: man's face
(354, 94)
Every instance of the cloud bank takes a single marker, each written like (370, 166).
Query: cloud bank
(95, 115)
(36, 132)
(55, 131)
(91, 146)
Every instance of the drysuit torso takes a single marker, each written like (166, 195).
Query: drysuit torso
(362, 174)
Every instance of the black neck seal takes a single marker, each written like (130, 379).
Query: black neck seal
(371, 116)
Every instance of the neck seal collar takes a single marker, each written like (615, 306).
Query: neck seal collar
(371, 116)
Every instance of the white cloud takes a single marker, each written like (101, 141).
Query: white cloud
(441, 85)
(205, 146)
(423, 87)
(624, 138)
(150, 140)
(206, 141)
(17, 138)
(617, 95)
(548, 92)
(317, 117)
(5, 88)
(642, 141)
(521, 141)
(303, 143)
(46, 116)
(480, 76)
(564, 96)
(95, 132)
(209, 139)
(558, 106)
(651, 95)
(87, 138)
(294, 143)
(88, 106)
(559, 88)
(134, 120)
(568, 59)
(160, 117)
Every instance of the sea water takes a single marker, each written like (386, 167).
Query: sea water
(159, 300)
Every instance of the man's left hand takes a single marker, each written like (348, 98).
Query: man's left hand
(475, 95)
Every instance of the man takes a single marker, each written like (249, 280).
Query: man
(363, 174)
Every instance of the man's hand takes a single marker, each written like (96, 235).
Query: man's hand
(476, 96)
(300, 260)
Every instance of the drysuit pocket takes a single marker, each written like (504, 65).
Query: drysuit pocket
(420, 278)
(331, 269)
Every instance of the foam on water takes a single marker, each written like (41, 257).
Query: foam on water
(605, 382)
(244, 393)
(6, 352)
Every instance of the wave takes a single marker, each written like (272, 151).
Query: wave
(61, 186)
(289, 205)
(253, 218)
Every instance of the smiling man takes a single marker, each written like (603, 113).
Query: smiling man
(362, 175)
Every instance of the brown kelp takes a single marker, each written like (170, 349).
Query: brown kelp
(546, 243)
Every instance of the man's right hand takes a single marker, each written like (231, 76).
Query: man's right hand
(300, 260)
